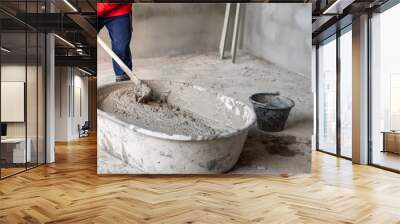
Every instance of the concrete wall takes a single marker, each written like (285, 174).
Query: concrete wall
(279, 33)
(173, 28)
(69, 82)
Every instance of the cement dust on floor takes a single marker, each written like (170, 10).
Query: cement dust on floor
(286, 152)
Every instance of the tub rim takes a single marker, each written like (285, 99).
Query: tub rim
(161, 135)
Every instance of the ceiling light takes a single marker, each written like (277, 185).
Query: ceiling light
(338, 6)
(84, 71)
(326, 11)
(64, 40)
(70, 5)
(5, 50)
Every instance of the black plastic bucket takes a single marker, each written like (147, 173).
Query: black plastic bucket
(272, 110)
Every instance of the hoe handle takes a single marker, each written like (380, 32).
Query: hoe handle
(119, 61)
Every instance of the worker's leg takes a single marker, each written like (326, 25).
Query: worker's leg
(120, 29)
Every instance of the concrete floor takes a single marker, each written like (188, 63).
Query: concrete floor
(286, 152)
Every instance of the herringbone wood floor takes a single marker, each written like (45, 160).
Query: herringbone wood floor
(70, 191)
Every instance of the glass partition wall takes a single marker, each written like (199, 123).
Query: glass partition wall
(334, 90)
(345, 62)
(385, 89)
(22, 78)
(334, 105)
(327, 95)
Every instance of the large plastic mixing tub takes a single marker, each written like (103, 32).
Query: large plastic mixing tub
(149, 152)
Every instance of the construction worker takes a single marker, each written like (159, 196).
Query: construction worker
(117, 18)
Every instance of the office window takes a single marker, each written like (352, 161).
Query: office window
(22, 101)
(346, 93)
(385, 89)
(327, 96)
(15, 150)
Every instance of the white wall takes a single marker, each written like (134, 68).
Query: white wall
(14, 72)
(62, 81)
(17, 72)
(68, 80)
(33, 126)
(280, 33)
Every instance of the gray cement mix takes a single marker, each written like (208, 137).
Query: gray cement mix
(143, 93)
(156, 115)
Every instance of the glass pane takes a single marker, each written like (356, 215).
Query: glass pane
(386, 89)
(32, 99)
(327, 97)
(22, 88)
(346, 94)
(41, 99)
(13, 87)
(32, 86)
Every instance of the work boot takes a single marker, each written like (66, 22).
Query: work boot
(121, 78)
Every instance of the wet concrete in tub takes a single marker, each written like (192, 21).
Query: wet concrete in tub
(240, 80)
(157, 115)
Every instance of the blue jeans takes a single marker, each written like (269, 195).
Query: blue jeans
(120, 30)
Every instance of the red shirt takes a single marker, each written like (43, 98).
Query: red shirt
(113, 9)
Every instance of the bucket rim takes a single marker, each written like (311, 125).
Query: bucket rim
(256, 103)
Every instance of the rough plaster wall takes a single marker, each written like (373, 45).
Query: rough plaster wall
(279, 33)
(173, 29)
